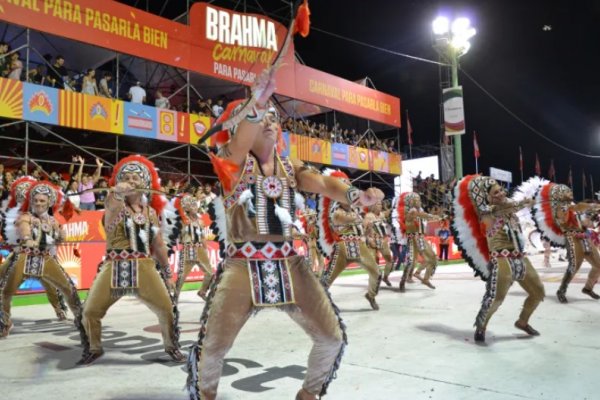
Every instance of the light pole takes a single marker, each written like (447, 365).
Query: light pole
(452, 42)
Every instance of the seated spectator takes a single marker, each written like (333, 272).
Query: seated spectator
(204, 109)
(15, 67)
(89, 85)
(104, 90)
(161, 101)
(137, 94)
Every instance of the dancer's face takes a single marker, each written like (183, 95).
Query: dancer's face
(40, 204)
(496, 195)
(134, 180)
(271, 130)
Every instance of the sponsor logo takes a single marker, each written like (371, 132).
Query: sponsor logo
(40, 102)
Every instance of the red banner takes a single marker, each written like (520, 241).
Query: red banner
(218, 42)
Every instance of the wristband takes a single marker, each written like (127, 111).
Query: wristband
(256, 115)
(352, 195)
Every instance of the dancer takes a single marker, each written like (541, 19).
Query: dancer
(184, 211)
(341, 237)
(35, 256)
(261, 269)
(133, 237)
(411, 218)
(558, 220)
(377, 237)
(17, 194)
(489, 235)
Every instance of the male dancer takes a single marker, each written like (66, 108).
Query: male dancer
(341, 237)
(487, 231)
(18, 192)
(133, 238)
(261, 268)
(411, 218)
(376, 233)
(35, 256)
(558, 220)
(191, 237)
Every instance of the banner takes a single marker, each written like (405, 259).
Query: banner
(454, 113)
(501, 175)
(76, 110)
(218, 42)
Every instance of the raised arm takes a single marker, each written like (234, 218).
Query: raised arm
(98, 171)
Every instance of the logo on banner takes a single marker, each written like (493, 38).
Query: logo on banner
(11, 98)
(97, 111)
(166, 123)
(454, 113)
(240, 30)
(140, 120)
(199, 128)
(40, 102)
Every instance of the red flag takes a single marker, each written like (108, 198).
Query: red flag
(409, 129)
(570, 179)
(520, 159)
(475, 146)
(538, 168)
(551, 171)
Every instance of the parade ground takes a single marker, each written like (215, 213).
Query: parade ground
(419, 345)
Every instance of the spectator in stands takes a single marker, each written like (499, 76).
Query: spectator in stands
(137, 94)
(2, 180)
(101, 196)
(89, 85)
(217, 109)
(57, 73)
(37, 75)
(203, 108)
(22, 171)
(104, 90)
(87, 182)
(209, 196)
(161, 101)
(16, 67)
(37, 173)
(4, 60)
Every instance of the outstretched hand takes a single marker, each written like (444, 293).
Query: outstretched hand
(264, 87)
(371, 196)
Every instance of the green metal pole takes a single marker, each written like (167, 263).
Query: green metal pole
(458, 165)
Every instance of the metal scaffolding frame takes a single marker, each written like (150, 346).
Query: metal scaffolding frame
(192, 173)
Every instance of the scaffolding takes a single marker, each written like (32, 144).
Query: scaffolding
(48, 147)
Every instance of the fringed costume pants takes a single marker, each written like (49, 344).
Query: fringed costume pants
(418, 246)
(52, 274)
(203, 261)
(577, 252)
(151, 291)
(501, 279)
(54, 295)
(340, 260)
(230, 305)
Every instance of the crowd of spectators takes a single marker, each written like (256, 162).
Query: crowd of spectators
(77, 180)
(436, 195)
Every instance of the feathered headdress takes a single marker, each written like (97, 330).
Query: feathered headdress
(327, 237)
(470, 199)
(18, 190)
(146, 170)
(548, 198)
(55, 196)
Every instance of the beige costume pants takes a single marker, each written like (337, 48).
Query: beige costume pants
(152, 292)
(367, 261)
(204, 262)
(230, 306)
(54, 277)
(576, 256)
(497, 287)
(428, 255)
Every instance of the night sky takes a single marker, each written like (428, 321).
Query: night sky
(548, 78)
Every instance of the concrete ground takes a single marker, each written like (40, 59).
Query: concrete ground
(418, 346)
